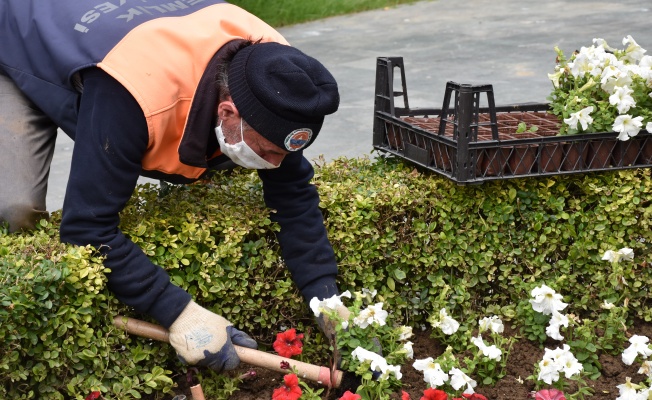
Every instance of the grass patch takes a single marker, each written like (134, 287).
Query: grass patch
(288, 12)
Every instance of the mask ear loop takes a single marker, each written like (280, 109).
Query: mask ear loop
(241, 130)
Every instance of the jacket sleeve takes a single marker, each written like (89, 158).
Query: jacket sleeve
(303, 238)
(110, 141)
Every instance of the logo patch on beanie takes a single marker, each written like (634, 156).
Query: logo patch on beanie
(298, 139)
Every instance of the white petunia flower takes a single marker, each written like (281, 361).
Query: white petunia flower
(627, 126)
(459, 379)
(638, 345)
(553, 332)
(622, 99)
(625, 254)
(648, 127)
(546, 300)
(318, 306)
(556, 354)
(557, 321)
(378, 363)
(362, 355)
(478, 341)
(646, 369)
(646, 62)
(589, 60)
(371, 314)
(405, 333)
(603, 44)
(492, 352)
(607, 305)
(409, 351)
(563, 355)
(583, 117)
(447, 324)
(583, 64)
(492, 323)
(633, 52)
(554, 78)
(432, 372)
(610, 256)
(548, 371)
(556, 361)
(614, 75)
(392, 369)
(645, 393)
(628, 391)
(570, 365)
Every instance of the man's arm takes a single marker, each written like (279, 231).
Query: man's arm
(303, 237)
(110, 141)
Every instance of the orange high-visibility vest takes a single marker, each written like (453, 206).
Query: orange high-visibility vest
(160, 63)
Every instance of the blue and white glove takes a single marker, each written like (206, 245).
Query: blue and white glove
(203, 338)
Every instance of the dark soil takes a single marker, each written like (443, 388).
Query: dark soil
(514, 386)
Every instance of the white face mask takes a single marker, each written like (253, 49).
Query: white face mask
(240, 153)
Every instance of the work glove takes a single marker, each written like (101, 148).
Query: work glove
(203, 338)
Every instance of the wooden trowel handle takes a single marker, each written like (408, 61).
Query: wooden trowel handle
(315, 373)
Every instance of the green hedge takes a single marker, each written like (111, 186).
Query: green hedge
(422, 241)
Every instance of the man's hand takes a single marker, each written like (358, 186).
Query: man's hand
(201, 337)
(327, 326)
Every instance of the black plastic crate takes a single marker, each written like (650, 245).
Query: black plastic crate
(470, 143)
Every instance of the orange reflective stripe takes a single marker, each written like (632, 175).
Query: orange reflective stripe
(161, 62)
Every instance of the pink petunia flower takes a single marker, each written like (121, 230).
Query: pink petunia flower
(549, 394)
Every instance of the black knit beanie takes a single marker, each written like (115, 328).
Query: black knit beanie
(282, 93)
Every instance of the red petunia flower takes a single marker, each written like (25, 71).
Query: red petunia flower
(288, 343)
(290, 390)
(405, 395)
(94, 395)
(434, 394)
(350, 396)
(549, 394)
(473, 396)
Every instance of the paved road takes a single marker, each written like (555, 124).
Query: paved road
(507, 43)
